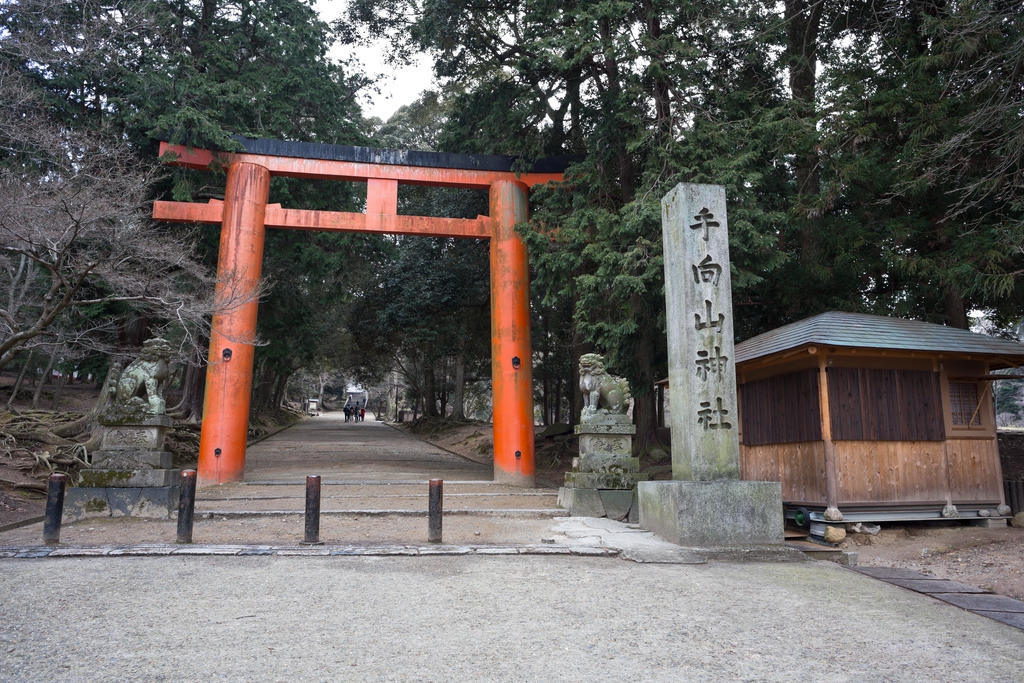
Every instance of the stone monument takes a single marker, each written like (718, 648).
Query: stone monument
(131, 474)
(706, 505)
(602, 482)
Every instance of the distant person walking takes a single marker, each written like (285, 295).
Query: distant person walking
(348, 412)
(362, 414)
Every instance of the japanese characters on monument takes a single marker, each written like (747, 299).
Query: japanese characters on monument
(702, 372)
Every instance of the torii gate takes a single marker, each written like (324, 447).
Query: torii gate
(244, 214)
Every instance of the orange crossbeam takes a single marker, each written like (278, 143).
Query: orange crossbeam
(294, 167)
(335, 221)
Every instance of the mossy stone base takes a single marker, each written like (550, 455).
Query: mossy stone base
(603, 480)
(132, 460)
(152, 502)
(129, 478)
(605, 463)
(614, 504)
(713, 514)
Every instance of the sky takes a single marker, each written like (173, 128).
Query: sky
(399, 86)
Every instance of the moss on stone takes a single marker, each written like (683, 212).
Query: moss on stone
(103, 478)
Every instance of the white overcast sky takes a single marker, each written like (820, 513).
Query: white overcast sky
(399, 86)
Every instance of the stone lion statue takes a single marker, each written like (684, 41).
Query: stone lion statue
(148, 373)
(601, 392)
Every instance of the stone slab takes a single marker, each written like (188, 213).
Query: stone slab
(145, 502)
(606, 444)
(605, 463)
(132, 460)
(606, 428)
(134, 437)
(713, 514)
(581, 502)
(602, 480)
(939, 586)
(993, 603)
(886, 573)
(634, 510)
(1010, 618)
(95, 478)
(616, 503)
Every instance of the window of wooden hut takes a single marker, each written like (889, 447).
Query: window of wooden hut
(963, 404)
(781, 409)
(885, 405)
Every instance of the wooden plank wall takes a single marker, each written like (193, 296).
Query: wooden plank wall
(885, 405)
(890, 471)
(907, 472)
(974, 470)
(781, 409)
(800, 467)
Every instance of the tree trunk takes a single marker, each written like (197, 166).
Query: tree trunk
(956, 312)
(459, 399)
(558, 399)
(626, 170)
(443, 393)
(662, 101)
(261, 390)
(579, 347)
(282, 389)
(193, 387)
(429, 399)
(545, 355)
(21, 376)
(64, 377)
(42, 381)
(803, 20)
(195, 390)
(645, 415)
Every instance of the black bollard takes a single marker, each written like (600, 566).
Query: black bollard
(312, 511)
(54, 508)
(436, 511)
(186, 506)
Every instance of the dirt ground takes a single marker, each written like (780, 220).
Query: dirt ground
(474, 440)
(288, 530)
(17, 505)
(987, 558)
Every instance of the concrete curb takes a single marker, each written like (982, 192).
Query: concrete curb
(36, 552)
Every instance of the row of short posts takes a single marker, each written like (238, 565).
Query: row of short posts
(57, 485)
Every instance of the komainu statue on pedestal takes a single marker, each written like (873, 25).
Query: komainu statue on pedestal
(145, 375)
(602, 393)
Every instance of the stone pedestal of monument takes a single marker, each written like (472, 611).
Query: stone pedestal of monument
(602, 482)
(707, 505)
(131, 474)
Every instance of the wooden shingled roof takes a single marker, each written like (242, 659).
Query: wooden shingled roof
(863, 331)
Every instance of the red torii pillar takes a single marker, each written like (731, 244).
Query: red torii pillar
(243, 217)
(511, 353)
(225, 427)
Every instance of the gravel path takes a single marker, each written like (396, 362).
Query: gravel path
(480, 618)
(329, 446)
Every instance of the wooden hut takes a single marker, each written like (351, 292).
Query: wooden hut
(881, 418)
